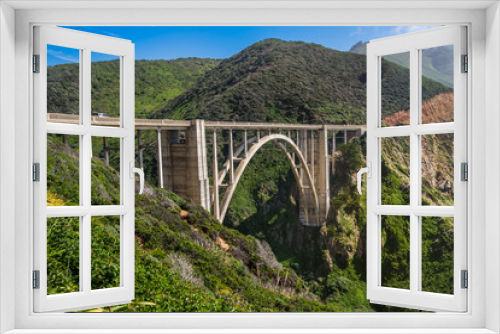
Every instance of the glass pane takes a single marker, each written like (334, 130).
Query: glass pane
(63, 255)
(105, 252)
(105, 89)
(437, 254)
(63, 85)
(105, 171)
(437, 169)
(395, 170)
(395, 99)
(396, 251)
(437, 84)
(63, 170)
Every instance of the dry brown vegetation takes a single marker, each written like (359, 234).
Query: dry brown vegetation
(438, 109)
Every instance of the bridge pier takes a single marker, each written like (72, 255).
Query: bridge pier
(183, 166)
(314, 146)
(322, 172)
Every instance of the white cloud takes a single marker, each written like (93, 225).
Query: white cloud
(112, 34)
(61, 55)
(408, 29)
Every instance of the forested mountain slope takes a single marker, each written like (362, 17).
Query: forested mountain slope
(156, 82)
(293, 82)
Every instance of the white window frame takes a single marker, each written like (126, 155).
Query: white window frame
(484, 102)
(85, 43)
(414, 44)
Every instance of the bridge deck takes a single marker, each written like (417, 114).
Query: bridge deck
(169, 124)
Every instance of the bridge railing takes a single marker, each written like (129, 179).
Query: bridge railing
(170, 124)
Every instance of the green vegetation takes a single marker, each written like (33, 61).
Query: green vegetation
(396, 88)
(180, 262)
(291, 82)
(261, 259)
(156, 82)
(436, 64)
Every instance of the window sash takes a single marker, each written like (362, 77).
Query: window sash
(413, 43)
(87, 43)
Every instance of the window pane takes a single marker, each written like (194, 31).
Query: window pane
(437, 169)
(63, 170)
(395, 236)
(105, 171)
(105, 89)
(395, 99)
(63, 255)
(437, 84)
(63, 85)
(437, 254)
(105, 252)
(395, 170)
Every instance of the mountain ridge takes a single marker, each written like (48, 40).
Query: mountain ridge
(280, 81)
(436, 62)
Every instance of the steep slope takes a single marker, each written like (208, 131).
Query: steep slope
(186, 261)
(296, 82)
(156, 81)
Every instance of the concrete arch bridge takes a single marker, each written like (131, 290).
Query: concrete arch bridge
(183, 158)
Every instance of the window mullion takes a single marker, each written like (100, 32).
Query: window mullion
(85, 158)
(86, 150)
(414, 170)
(373, 86)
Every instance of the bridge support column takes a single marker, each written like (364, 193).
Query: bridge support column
(216, 212)
(334, 149)
(313, 156)
(160, 158)
(197, 184)
(171, 168)
(246, 143)
(231, 157)
(105, 149)
(182, 167)
(322, 172)
(306, 146)
(140, 149)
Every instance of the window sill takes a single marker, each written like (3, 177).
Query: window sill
(251, 331)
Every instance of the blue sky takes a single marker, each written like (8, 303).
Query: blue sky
(222, 42)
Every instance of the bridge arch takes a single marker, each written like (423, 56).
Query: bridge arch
(279, 140)
(237, 152)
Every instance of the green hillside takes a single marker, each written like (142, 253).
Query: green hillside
(156, 82)
(291, 82)
(436, 64)
(186, 261)
(272, 80)
(273, 263)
